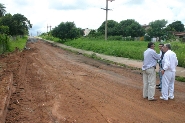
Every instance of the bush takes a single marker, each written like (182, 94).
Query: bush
(20, 43)
(4, 43)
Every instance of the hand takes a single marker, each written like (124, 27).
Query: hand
(162, 71)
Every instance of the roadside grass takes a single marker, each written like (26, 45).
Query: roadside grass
(20, 43)
(181, 79)
(127, 49)
(51, 38)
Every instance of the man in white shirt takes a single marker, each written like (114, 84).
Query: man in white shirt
(149, 73)
(169, 63)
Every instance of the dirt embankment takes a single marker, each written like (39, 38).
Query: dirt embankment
(51, 85)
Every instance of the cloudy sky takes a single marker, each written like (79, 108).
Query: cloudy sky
(88, 13)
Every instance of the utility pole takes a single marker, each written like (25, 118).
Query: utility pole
(50, 28)
(106, 20)
(106, 17)
(47, 28)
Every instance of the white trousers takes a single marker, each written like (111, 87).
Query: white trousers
(168, 80)
(149, 83)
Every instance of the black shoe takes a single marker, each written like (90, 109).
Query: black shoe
(158, 85)
(158, 88)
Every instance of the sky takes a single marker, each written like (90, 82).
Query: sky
(88, 13)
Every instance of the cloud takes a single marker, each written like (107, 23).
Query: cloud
(21, 2)
(68, 5)
(134, 2)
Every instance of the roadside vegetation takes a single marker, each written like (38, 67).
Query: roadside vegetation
(14, 30)
(19, 43)
(9, 44)
(126, 39)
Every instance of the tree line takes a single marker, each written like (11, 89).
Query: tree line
(125, 28)
(11, 25)
(18, 24)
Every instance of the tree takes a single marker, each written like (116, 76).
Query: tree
(111, 28)
(7, 21)
(176, 26)
(66, 30)
(4, 29)
(22, 24)
(157, 28)
(18, 24)
(81, 31)
(131, 28)
(2, 10)
(93, 33)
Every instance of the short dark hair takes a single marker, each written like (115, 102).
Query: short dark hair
(150, 44)
(161, 44)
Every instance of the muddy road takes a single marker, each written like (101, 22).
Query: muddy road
(52, 85)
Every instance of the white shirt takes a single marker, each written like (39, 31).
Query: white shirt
(150, 58)
(170, 61)
(160, 53)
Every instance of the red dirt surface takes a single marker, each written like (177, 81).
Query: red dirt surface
(52, 85)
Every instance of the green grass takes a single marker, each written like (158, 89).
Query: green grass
(127, 49)
(20, 43)
(115, 48)
(182, 79)
(51, 38)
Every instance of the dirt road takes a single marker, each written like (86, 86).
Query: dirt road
(52, 85)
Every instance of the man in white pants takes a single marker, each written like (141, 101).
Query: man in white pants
(169, 63)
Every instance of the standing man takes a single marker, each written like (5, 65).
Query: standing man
(160, 65)
(149, 74)
(170, 63)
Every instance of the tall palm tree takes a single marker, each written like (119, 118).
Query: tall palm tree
(2, 10)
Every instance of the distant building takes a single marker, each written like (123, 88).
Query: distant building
(87, 31)
(146, 27)
(180, 35)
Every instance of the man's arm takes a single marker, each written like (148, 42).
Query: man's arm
(156, 56)
(166, 63)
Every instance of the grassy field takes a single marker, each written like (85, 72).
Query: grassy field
(19, 43)
(126, 49)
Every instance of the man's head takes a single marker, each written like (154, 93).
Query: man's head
(161, 46)
(151, 45)
(166, 47)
